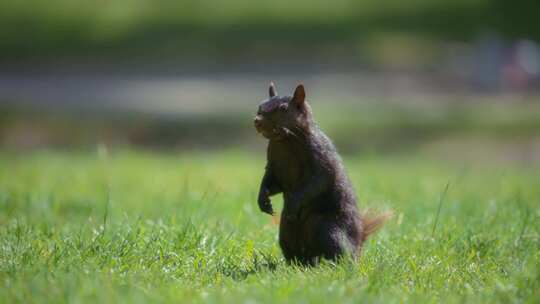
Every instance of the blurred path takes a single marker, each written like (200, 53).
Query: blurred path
(196, 92)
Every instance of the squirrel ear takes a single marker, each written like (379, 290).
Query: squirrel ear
(272, 90)
(299, 95)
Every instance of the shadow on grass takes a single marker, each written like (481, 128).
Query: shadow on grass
(262, 262)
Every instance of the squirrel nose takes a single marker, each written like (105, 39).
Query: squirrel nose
(257, 120)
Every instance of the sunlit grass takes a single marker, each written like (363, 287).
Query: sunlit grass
(137, 227)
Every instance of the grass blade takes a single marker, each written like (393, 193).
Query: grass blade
(441, 200)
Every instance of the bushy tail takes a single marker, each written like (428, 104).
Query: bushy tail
(373, 222)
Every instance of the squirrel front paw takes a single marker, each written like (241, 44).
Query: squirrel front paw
(265, 205)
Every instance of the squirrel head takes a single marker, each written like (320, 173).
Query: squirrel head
(280, 117)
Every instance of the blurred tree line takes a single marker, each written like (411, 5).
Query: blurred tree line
(56, 28)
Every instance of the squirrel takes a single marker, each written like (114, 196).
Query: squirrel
(320, 216)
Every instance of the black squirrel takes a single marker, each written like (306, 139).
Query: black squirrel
(320, 217)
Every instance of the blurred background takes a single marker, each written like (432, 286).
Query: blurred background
(450, 78)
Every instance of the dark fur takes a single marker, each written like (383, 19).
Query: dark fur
(320, 218)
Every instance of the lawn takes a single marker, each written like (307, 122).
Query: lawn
(134, 226)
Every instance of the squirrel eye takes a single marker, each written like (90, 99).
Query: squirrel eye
(283, 107)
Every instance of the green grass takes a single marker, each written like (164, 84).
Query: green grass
(141, 226)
